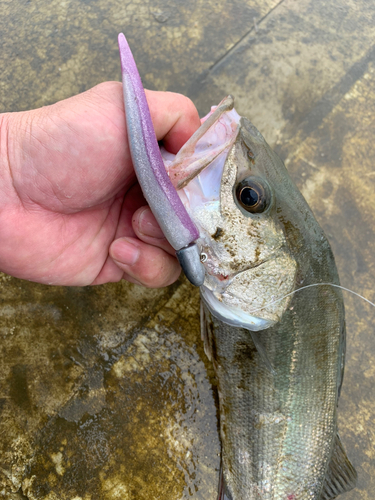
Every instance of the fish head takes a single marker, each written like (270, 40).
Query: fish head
(234, 203)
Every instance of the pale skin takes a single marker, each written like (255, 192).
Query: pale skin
(71, 211)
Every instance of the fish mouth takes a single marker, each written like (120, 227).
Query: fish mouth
(233, 316)
(245, 299)
(225, 279)
(196, 170)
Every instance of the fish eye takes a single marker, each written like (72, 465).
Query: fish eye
(252, 195)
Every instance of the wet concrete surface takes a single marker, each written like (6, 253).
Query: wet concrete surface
(105, 392)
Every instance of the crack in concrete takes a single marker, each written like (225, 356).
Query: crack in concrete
(216, 64)
(313, 119)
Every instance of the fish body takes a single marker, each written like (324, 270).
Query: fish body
(278, 431)
(278, 356)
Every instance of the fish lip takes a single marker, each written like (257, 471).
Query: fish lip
(231, 315)
(222, 287)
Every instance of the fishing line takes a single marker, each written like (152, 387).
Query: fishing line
(310, 286)
(258, 343)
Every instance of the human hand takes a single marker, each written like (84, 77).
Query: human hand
(71, 211)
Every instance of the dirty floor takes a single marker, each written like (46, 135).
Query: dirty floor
(105, 392)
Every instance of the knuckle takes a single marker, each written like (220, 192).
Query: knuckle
(189, 108)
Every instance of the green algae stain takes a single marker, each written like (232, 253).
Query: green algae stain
(18, 388)
(153, 434)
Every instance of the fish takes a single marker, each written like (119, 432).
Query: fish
(272, 312)
(276, 341)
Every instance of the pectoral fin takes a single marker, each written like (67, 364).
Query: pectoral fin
(262, 352)
(223, 490)
(341, 475)
(206, 334)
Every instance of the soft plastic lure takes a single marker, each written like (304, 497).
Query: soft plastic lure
(157, 188)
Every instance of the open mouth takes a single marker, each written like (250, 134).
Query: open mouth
(196, 170)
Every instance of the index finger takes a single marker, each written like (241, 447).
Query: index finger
(174, 116)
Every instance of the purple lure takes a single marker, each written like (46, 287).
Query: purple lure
(157, 188)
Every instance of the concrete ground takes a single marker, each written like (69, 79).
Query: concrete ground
(105, 392)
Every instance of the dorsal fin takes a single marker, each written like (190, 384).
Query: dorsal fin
(340, 476)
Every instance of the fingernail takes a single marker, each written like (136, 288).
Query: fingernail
(125, 251)
(148, 225)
